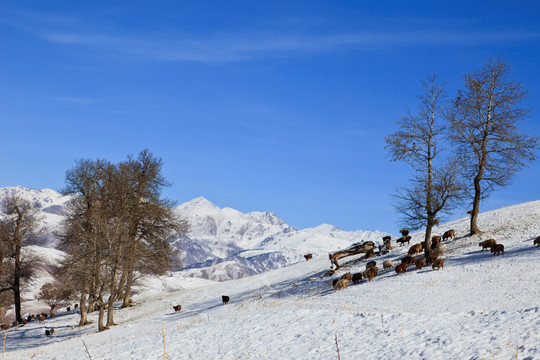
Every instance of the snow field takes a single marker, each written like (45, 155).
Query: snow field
(479, 306)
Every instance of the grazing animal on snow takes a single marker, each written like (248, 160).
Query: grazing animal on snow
(347, 276)
(341, 283)
(439, 263)
(371, 264)
(401, 268)
(497, 248)
(415, 249)
(225, 299)
(371, 273)
(487, 244)
(420, 263)
(404, 232)
(408, 260)
(404, 239)
(357, 277)
(387, 264)
(435, 240)
(387, 242)
(177, 308)
(308, 256)
(537, 241)
(450, 234)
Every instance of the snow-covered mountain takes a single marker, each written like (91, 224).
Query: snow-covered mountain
(225, 244)
(222, 243)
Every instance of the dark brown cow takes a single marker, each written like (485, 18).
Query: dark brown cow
(450, 234)
(225, 299)
(487, 244)
(356, 277)
(497, 248)
(177, 308)
(308, 256)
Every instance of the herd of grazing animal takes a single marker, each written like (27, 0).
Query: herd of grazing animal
(434, 257)
(495, 248)
(31, 317)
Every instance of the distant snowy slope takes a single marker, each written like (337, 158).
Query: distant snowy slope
(50, 204)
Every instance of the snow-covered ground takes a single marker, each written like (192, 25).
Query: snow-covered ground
(479, 306)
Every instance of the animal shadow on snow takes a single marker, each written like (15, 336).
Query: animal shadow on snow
(34, 337)
(485, 255)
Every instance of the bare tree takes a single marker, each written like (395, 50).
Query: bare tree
(151, 218)
(19, 227)
(436, 187)
(117, 227)
(54, 294)
(485, 119)
(80, 237)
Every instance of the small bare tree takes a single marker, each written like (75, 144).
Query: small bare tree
(485, 119)
(19, 227)
(54, 294)
(436, 186)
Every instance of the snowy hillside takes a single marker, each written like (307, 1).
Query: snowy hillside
(479, 306)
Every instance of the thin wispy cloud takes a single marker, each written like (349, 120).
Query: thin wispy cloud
(238, 47)
(74, 100)
(249, 45)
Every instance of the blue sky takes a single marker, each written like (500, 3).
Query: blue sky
(279, 105)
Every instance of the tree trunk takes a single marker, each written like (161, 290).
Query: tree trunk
(110, 312)
(476, 207)
(112, 298)
(83, 308)
(127, 291)
(101, 316)
(427, 239)
(17, 293)
(17, 284)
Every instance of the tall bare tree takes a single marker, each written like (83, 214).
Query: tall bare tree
(436, 186)
(152, 220)
(485, 119)
(117, 226)
(81, 238)
(19, 227)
